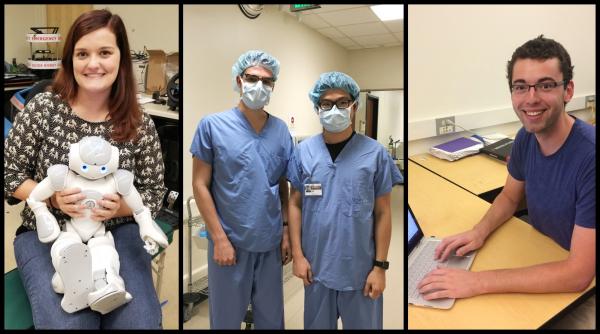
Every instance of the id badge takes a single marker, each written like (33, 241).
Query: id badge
(313, 189)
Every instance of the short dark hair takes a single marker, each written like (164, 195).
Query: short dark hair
(542, 48)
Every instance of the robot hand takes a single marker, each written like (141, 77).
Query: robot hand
(150, 246)
(47, 226)
(152, 235)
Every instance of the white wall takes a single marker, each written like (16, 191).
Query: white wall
(390, 120)
(153, 26)
(458, 56)
(18, 19)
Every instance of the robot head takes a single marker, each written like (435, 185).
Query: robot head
(93, 158)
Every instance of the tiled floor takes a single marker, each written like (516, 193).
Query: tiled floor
(393, 309)
(170, 284)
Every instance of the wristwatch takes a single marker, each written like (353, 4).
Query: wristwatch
(382, 264)
(285, 223)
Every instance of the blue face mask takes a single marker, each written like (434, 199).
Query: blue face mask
(255, 95)
(335, 120)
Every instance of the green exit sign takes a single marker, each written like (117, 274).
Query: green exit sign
(299, 8)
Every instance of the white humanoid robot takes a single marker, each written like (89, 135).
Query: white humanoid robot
(88, 275)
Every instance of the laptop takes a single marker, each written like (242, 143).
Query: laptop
(421, 252)
(499, 150)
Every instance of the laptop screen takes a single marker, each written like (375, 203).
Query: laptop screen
(414, 231)
(412, 226)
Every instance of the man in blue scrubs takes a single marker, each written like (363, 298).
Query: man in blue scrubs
(239, 165)
(553, 160)
(340, 215)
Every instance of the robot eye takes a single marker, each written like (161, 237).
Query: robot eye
(103, 169)
(84, 168)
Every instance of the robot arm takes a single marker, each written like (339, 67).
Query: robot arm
(47, 226)
(149, 231)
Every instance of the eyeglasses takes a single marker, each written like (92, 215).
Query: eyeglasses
(343, 103)
(545, 87)
(251, 78)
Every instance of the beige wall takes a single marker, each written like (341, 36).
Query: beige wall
(17, 22)
(153, 26)
(380, 68)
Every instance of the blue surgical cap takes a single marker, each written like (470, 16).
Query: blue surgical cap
(334, 80)
(254, 58)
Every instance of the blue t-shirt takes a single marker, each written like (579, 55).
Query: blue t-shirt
(338, 224)
(246, 169)
(560, 188)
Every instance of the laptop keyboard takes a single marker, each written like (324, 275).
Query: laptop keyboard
(422, 265)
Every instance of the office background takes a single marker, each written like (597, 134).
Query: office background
(457, 58)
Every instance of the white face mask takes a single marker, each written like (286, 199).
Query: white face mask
(335, 120)
(256, 95)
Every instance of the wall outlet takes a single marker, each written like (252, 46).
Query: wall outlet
(444, 125)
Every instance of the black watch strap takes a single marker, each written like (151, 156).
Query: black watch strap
(382, 264)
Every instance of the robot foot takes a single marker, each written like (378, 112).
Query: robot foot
(108, 298)
(75, 270)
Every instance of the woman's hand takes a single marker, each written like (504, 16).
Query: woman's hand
(107, 207)
(68, 200)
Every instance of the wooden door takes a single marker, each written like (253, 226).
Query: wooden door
(63, 16)
(372, 113)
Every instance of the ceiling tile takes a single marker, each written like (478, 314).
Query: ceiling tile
(399, 36)
(375, 39)
(330, 8)
(392, 44)
(349, 16)
(331, 33)
(395, 25)
(363, 29)
(344, 41)
(314, 21)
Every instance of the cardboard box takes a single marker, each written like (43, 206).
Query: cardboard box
(156, 72)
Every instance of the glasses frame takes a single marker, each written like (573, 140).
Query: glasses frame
(245, 76)
(537, 87)
(335, 103)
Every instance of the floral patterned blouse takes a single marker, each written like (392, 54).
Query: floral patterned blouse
(41, 135)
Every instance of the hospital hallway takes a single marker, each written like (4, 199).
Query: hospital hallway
(393, 303)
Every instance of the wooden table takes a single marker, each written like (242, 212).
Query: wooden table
(477, 174)
(443, 209)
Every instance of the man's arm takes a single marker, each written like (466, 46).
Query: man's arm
(201, 179)
(502, 209)
(571, 275)
(284, 193)
(375, 283)
(301, 266)
(383, 226)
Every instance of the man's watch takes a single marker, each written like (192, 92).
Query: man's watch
(285, 223)
(382, 264)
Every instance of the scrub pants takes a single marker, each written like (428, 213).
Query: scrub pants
(36, 270)
(255, 278)
(323, 306)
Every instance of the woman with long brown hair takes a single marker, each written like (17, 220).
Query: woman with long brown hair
(93, 94)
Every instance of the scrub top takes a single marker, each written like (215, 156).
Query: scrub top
(246, 168)
(338, 226)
